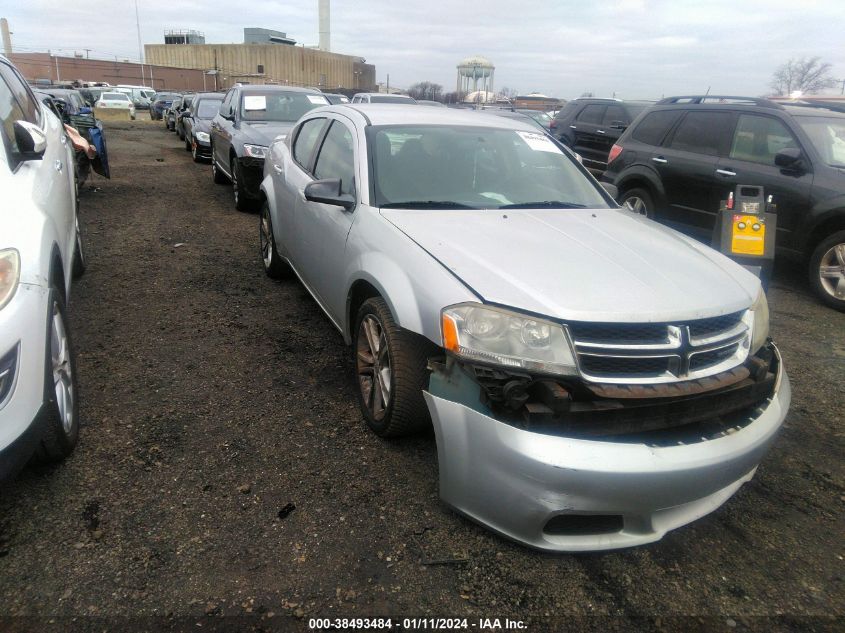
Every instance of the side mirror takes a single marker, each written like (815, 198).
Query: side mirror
(328, 192)
(31, 141)
(611, 189)
(618, 125)
(788, 157)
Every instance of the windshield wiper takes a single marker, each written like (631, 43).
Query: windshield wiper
(548, 204)
(426, 204)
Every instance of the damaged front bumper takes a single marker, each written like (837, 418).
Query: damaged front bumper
(566, 493)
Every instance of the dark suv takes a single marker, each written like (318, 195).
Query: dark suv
(678, 160)
(591, 126)
(250, 118)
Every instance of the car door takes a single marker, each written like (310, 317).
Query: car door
(751, 161)
(290, 176)
(687, 166)
(50, 179)
(322, 229)
(221, 131)
(587, 141)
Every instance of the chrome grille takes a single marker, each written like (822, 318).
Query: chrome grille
(660, 352)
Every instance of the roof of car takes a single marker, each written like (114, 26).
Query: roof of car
(209, 95)
(813, 109)
(381, 94)
(386, 114)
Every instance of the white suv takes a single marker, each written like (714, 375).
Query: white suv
(40, 251)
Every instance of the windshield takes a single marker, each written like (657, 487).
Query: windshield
(166, 96)
(435, 166)
(278, 106)
(114, 96)
(386, 99)
(207, 108)
(828, 137)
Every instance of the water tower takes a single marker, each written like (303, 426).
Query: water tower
(475, 73)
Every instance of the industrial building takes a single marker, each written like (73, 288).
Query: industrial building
(269, 57)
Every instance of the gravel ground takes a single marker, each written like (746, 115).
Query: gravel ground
(224, 469)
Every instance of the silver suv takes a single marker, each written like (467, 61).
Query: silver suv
(594, 379)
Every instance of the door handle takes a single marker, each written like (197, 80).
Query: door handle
(58, 165)
(725, 172)
(573, 127)
(660, 160)
(600, 131)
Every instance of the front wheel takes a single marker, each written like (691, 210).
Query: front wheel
(61, 402)
(391, 372)
(638, 201)
(242, 203)
(827, 271)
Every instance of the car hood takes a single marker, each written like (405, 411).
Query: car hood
(578, 264)
(263, 133)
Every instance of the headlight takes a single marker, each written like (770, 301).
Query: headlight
(493, 335)
(203, 136)
(760, 326)
(255, 151)
(10, 272)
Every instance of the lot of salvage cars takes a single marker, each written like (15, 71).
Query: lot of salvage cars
(224, 461)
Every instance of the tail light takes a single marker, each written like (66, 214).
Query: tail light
(614, 153)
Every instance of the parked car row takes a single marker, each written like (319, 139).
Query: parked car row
(489, 286)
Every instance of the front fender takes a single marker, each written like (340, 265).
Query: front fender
(393, 284)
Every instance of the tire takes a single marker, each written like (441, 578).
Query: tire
(641, 202)
(406, 374)
(197, 158)
(274, 265)
(242, 203)
(79, 263)
(217, 176)
(187, 143)
(827, 270)
(61, 423)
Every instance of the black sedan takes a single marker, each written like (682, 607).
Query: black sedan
(196, 121)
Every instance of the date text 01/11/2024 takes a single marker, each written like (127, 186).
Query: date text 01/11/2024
(481, 624)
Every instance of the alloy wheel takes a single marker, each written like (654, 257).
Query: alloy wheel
(637, 205)
(61, 370)
(265, 235)
(373, 365)
(235, 191)
(832, 271)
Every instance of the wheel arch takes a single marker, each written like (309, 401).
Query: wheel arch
(57, 276)
(641, 177)
(832, 222)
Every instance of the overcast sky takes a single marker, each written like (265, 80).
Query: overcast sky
(630, 48)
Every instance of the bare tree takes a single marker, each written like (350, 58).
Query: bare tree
(805, 74)
(426, 90)
(510, 93)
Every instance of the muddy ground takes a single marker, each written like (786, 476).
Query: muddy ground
(224, 469)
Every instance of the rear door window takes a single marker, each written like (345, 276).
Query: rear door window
(592, 114)
(613, 114)
(703, 133)
(306, 140)
(758, 138)
(654, 126)
(337, 158)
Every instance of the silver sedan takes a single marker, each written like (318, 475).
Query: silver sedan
(593, 379)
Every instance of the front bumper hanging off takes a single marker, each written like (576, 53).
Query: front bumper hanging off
(574, 494)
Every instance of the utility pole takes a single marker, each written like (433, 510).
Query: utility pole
(87, 50)
(388, 83)
(58, 76)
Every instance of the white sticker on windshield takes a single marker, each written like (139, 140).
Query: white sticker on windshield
(255, 102)
(539, 142)
(318, 99)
